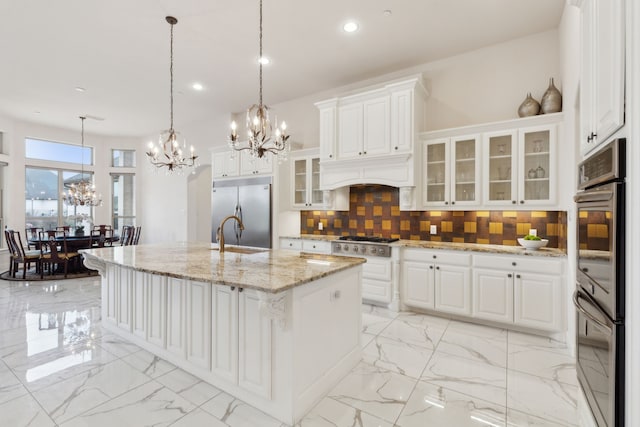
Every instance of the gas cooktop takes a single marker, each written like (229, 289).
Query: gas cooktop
(372, 239)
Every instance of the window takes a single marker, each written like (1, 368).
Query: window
(123, 199)
(44, 207)
(123, 158)
(58, 152)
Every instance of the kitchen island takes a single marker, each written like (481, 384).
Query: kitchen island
(275, 328)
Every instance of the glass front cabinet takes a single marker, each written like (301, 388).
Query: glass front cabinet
(451, 171)
(520, 166)
(306, 182)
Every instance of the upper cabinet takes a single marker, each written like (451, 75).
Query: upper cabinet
(452, 172)
(506, 164)
(520, 166)
(305, 185)
(226, 164)
(602, 97)
(370, 136)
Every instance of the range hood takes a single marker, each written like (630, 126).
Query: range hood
(396, 170)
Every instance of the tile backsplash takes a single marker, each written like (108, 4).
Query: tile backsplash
(374, 210)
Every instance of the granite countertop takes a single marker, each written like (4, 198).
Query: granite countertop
(268, 271)
(474, 247)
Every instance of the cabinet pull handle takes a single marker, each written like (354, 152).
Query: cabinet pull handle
(517, 276)
(240, 289)
(233, 288)
(509, 275)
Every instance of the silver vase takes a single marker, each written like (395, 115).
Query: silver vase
(551, 101)
(529, 107)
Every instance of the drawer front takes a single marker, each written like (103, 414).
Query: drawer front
(376, 290)
(438, 257)
(378, 269)
(318, 246)
(519, 263)
(294, 244)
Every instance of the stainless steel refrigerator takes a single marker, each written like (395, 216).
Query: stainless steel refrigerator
(250, 200)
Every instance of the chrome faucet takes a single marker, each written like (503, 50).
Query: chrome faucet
(220, 233)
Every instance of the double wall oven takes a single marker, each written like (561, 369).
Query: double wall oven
(600, 289)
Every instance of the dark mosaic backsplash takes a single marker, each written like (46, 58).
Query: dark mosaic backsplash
(374, 210)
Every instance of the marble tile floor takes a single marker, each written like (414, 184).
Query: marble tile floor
(59, 368)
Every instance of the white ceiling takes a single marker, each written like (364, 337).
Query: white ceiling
(119, 51)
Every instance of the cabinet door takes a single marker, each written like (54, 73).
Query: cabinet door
(198, 315)
(376, 137)
(328, 133)
(125, 298)
(139, 304)
(493, 295)
(417, 281)
(254, 340)
(465, 170)
(402, 122)
(436, 172)
(224, 336)
(350, 131)
(299, 180)
(224, 164)
(609, 67)
(500, 168)
(316, 246)
(538, 301)
(316, 195)
(176, 328)
(587, 80)
(537, 179)
(453, 289)
(250, 165)
(109, 293)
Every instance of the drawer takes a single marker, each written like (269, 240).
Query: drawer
(379, 269)
(436, 256)
(533, 264)
(376, 290)
(319, 246)
(295, 244)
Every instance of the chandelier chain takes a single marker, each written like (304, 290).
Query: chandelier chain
(260, 57)
(171, 74)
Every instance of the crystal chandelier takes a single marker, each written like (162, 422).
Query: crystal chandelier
(84, 192)
(168, 152)
(260, 136)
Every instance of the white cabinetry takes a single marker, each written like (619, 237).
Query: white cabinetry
(520, 166)
(602, 97)
(519, 290)
(226, 164)
(438, 280)
(305, 181)
(306, 245)
(363, 128)
(452, 171)
(377, 279)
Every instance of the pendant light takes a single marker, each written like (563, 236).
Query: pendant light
(260, 136)
(84, 192)
(168, 152)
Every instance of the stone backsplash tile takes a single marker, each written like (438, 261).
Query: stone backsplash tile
(373, 210)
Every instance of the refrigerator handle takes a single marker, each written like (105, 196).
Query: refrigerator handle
(235, 224)
(239, 215)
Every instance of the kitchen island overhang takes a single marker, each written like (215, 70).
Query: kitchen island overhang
(276, 328)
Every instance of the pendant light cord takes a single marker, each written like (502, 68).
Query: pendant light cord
(82, 142)
(171, 75)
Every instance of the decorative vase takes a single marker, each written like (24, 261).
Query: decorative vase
(551, 101)
(529, 107)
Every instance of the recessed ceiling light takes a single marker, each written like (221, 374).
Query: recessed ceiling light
(264, 60)
(80, 89)
(197, 86)
(350, 27)
(386, 12)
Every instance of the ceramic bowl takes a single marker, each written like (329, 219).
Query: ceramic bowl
(532, 245)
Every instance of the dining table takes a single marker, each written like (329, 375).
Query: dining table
(75, 242)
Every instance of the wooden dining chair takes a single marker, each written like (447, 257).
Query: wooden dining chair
(31, 234)
(98, 239)
(64, 229)
(127, 235)
(54, 256)
(136, 235)
(19, 256)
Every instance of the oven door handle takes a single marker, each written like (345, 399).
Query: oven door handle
(594, 319)
(594, 196)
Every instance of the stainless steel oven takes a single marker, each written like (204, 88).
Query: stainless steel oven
(600, 287)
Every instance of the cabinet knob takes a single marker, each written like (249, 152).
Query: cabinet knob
(437, 268)
(435, 256)
(513, 263)
(233, 288)
(513, 202)
(453, 202)
(330, 156)
(509, 275)
(517, 276)
(359, 153)
(365, 152)
(431, 267)
(290, 244)
(240, 289)
(395, 148)
(522, 202)
(446, 203)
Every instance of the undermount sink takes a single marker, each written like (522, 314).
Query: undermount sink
(241, 250)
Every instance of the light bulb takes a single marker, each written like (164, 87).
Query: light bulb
(234, 126)
(283, 125)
